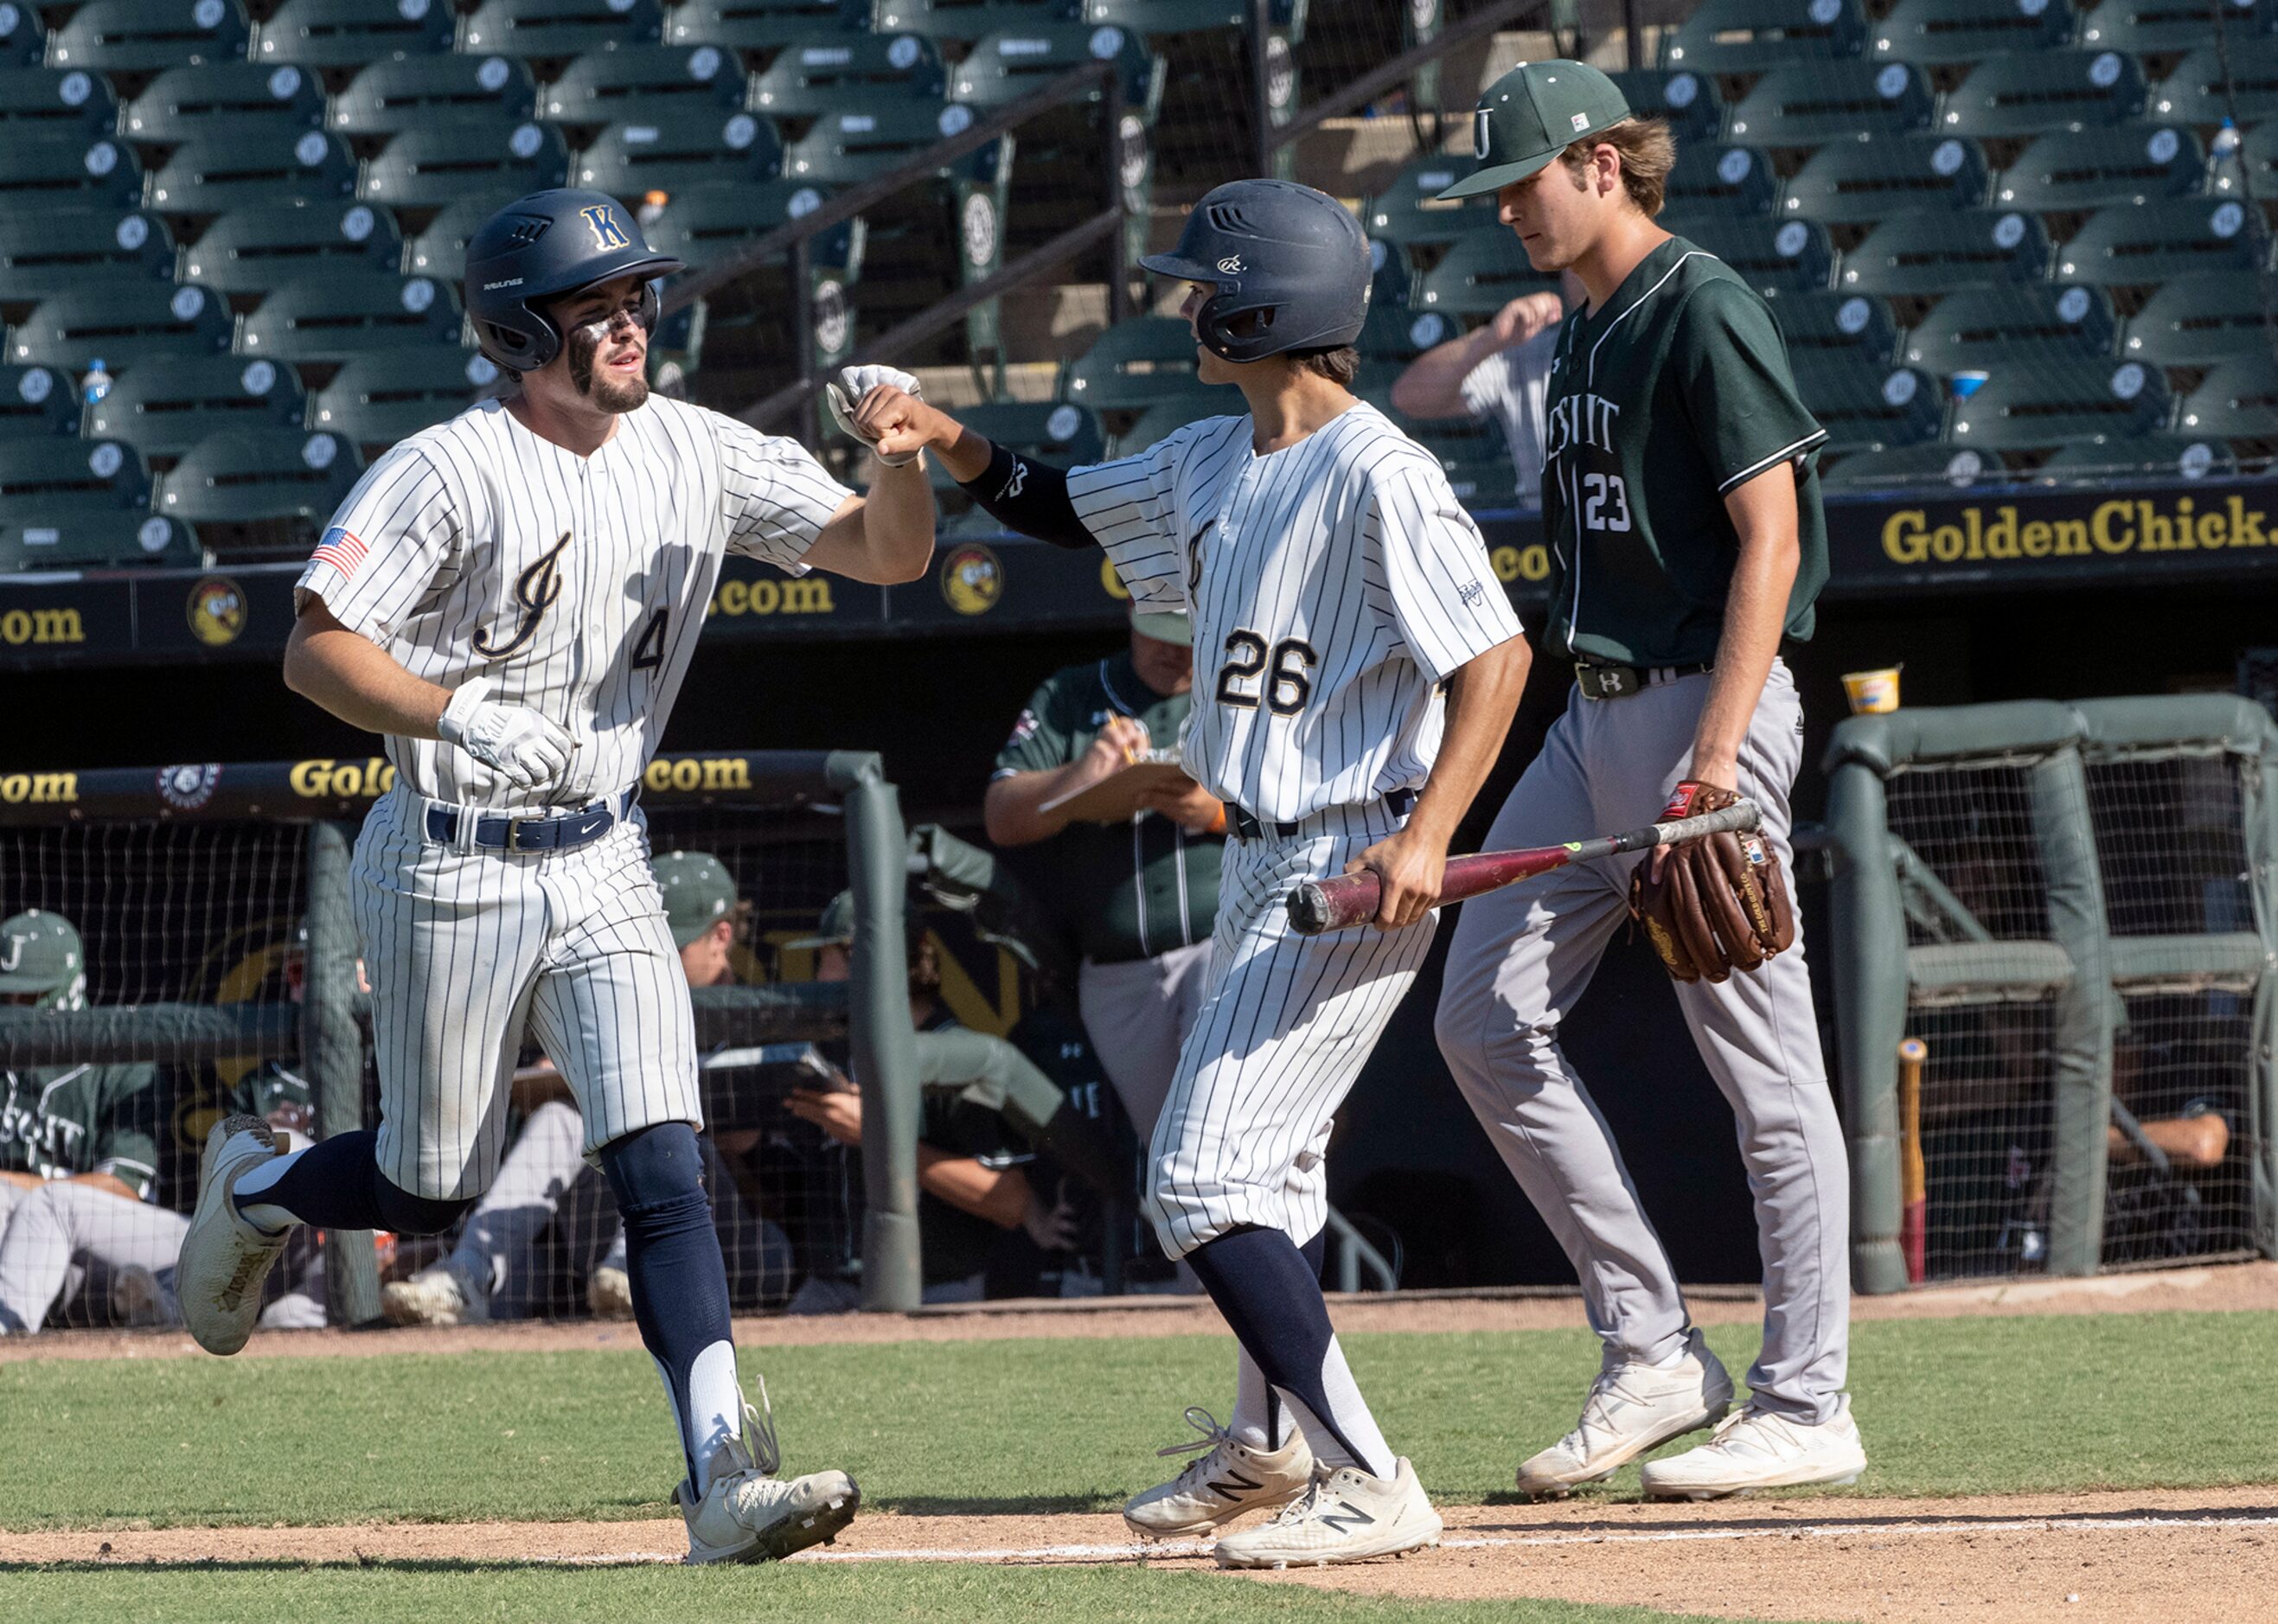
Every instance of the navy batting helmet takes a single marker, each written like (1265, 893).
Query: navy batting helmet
(1293, 255)
(540, 248)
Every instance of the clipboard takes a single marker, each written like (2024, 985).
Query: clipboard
(1115, 798)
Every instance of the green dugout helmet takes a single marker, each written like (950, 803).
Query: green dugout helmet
(834, 929)
(41, 953)
(1530, 116)
(699, 893)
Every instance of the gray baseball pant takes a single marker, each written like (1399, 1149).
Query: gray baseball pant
(1137, 1014)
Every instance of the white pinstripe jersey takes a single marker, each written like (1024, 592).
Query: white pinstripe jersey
(577, 584)
(1334, 585)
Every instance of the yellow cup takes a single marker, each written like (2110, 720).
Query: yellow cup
(1872, 691)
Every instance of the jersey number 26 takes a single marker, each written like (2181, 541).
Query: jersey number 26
(1288, 686)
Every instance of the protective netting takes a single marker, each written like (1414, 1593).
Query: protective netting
(2180, 1184)
(1968, 870)
(2170, 844)
(1986, 1113)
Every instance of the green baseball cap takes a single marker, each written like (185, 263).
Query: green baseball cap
(1164, 627)
(699, 893)
(1530, 116)
(834, 929)
(39, 952)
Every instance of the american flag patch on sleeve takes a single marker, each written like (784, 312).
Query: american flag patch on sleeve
(340, 549)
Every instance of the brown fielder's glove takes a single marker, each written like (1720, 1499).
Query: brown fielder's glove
(1721, 903)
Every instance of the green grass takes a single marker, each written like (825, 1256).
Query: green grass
(1947, 1407)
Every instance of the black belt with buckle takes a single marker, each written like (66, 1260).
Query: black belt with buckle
(1400, 802)
(560, 832)
(1599, 682)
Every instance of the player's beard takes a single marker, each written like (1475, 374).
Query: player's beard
(610, 394)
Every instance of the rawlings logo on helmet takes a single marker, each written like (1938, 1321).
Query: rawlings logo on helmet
(1232, 264)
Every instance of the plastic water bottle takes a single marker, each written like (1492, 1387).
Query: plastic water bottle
(96, 383)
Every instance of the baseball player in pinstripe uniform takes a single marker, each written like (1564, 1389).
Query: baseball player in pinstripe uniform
(1682, 509)
(511, 598)
(1356, 668)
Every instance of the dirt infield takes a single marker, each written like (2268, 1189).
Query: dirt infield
(2140, 1556)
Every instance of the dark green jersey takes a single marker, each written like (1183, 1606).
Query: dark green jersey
(56, 1121)
(1129, 890)
(1674, 394)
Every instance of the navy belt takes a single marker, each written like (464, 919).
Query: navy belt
(555, 832)
(1400, 802)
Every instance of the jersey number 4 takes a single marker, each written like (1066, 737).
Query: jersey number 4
(1605, 502)
(1287, 686)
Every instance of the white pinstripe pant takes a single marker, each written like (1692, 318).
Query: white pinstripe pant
(466, 948)
(1287, 1022)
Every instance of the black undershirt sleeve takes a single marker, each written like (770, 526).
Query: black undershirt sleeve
(1030, 497)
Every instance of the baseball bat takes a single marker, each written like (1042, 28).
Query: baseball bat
(1913, 1180)
(1340, 903)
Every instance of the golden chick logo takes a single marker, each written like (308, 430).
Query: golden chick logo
(972, 580)
(217, 611)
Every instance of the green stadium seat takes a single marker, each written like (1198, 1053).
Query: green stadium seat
(1753, 36)
(348, 33)
(145, 37)
(1927, 252)
(1903, 468)
(2031, 92)
(817, 75)
(1792, 255)
(2091, 401)
(242, 99)
(40, 476)
(1844, 325)
(2087, 168)
(2145, 244)
(163, 408)
(63, 169)
(1134, 364)
(1946, 33)
(98, 539)
(73, 99)
(1734, 180)
(2153, 26)
(1407, 213)
(23, 41)
(763, 25)
(1004, 67)
(1057, 432)
(343, 314)
(1151, 19)
(428, 168)
(1480, 274)
(2196, 93)
(36, 402)
(712, 222)
(2022, 324)
(254, 250)
(426, 93)
(1394, 333)
(42, 254)
(964, 21)
(125, 324)
(219, 172)
(679, 151)
(1681, 98)
(388, 395)
(2198, 320)
(1168, 414)
(441, 250)
(638, 82)
(1862, 182)
(2253, 169)
(2237, 401)
(847, 148)
(249, 475)
(555, 29)
(1865, 406)
(1810, 103)
(2165, 456)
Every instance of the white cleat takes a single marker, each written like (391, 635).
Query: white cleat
(434, 1296)
(1346, 1516)
(1233, 1478)
(749, 1514)
(1632, 1407)
(609, 1292)
(1756, 1450)
(225, 1259)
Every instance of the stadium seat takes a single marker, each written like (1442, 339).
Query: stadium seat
(2195, 92)
(2252, 168)
(1901, 468)
(679, 151)
(40, 477)
(763, 25)
(252, 250)
(815, 77)
(427, 93)
(344, 313)
(2031, 92)
(710, 222)
(1865, 406)
(2166, 456)
(388, 395)
(246, 476)
(242, 99)
(2198, 320)
(1004, 66)
(348, 33)
(2093, 400)
(145, 37)
(1395, 333)
(1724, 179)
(1407, 213)
(2152, 26)
(1682, 99)
(1927, 252)
(1810, 103)
(1862, 182)
(441, 251)
(1942, 33)
(63, 169)
(126, 324)
(1481, 274)
(36, 98)
(848, 149)
(2021, 324)
(1844, 325)
(1134, 365)
(37, 401)
(2087, 168)
(429, 168)
(1174, 411)
(638, 82)
(163, 408)
(1792, 255)
(48, 252)
(23, 42)
(1057, 432)
(557, 29)
(220, 172)
(1752, 36)
(98, 538)
(964, 21)
(2143, 244)
(2238, 400)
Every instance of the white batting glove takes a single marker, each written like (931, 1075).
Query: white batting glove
(529, 748)
(845, 393)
